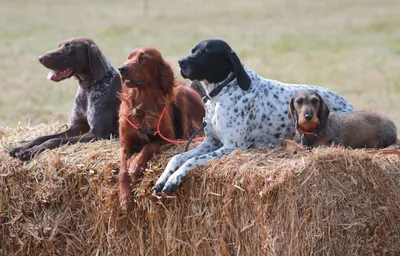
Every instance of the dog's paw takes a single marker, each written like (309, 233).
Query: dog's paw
(136, 169)
(169, 189)
(171, 186)
(126, 205)
(15, 151)
(158, 187)
(26, 155)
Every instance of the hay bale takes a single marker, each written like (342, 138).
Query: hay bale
(263, 202)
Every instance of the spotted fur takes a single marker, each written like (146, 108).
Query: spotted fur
(239, 118)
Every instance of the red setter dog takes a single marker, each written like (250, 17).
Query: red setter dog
(150, 98)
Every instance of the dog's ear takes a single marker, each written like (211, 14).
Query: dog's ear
(166, 76)
(97, 65)
(241, 76)
(132, 53)
(292, 113)
(323, 112)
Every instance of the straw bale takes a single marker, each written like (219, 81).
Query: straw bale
(251, 202)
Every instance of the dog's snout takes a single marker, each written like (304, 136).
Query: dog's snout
(308, 117)
(123, 69)
(42, 59)
(182, 62)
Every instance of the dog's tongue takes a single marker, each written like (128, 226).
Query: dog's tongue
(51, 74)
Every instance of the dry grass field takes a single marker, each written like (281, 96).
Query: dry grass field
(351, 46)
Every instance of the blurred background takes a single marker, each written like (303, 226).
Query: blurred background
(351, 46)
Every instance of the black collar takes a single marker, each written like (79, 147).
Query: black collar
(219, 87)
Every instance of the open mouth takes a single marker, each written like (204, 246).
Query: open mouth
(58, 75)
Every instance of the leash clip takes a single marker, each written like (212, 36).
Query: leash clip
(302, 139)
(206, 99)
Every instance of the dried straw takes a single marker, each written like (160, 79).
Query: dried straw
(252, 202)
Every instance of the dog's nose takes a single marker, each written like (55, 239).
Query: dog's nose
(308, 117)
(182, 62)
(42, 58)
(123, 69)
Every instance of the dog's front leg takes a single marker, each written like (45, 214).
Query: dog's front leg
(124, 181)
(29, 153)
(208, 145)
(139, 162)
(73, 131)
(176, 178)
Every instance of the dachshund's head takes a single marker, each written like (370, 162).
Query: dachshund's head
(146, 68)
(75, 56)
(213, 60)
(308, 111)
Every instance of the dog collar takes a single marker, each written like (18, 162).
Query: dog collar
(110, 73)
(218, 89)
(306, 133)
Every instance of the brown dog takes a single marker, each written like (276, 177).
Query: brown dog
(151, 97)
(316, 126)
(95, 109)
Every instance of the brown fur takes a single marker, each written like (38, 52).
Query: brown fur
(94, 113)
(359, 129)
(149, 87)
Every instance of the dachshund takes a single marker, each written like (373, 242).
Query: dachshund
(154, 106)
(316, 125)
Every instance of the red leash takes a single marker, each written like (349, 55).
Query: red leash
(159, 132)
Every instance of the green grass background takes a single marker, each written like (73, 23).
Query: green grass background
(351, 46)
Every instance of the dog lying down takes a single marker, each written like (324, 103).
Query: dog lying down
(317, 126)
(94, 113)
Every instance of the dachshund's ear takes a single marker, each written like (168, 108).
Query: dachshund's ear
(97, 62)
(323, 112)
(166, 76)
(241, 76)
(292, 113)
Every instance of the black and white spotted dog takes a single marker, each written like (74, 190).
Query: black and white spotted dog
(242, 109)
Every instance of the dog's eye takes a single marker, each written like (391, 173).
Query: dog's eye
(141, 58)
(314, 101)
(299, 102)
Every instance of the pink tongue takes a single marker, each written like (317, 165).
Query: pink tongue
(51, 74)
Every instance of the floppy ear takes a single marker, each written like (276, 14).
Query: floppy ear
(166, 76)
(323, 112)
(97, 65)
(241, 76)
(292, 113)
(131, 54)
